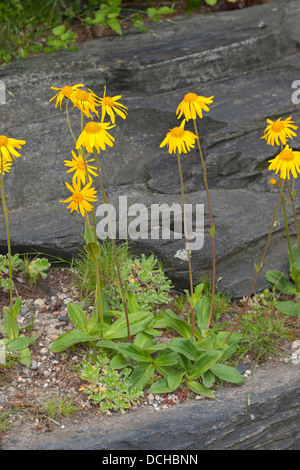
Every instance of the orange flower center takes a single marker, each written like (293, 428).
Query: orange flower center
(93, 128)
(66, 91)
(189, 97)
(82, 95)
(77, 197)
(80, 165)
(177, 132)
(286, 155)
(277, 126)
(108, 101)
(3, 141)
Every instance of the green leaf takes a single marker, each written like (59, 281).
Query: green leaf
(134, 352)
(166, 357)
(202, 310)
(161, 386)
(200, 389)
(289, 308)
(17, 306)
(68, 339)
(132, 303)
(93, 251)
(59, 30)
(208, 379)
(141, 376)
(19, 343)
(115, 25)
(211, 2)
(227, 373)
(25, 357)
(137, 321)
(77, 316)
(174, 378)
(181, 326)
(186, 347)
(11, 326)
(204, 363)
(280, 282)
(144, 340)
(119, 362)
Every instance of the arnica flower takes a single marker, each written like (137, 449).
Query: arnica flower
(192, 105)
(8, 147)
(85, 101)
(179, 139)
(6, 167)
(110, 106)
(286, 161)
(64, 92)
(279, 131)
(95, 135)
(77, 165)
(81, 198)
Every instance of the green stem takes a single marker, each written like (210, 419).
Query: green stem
(5, 210)
(257, 269)
(187, 244)
(286, 224)
(123, 296)
(69, 123)
(292, 197)
(211, 226)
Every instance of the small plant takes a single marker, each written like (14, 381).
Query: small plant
(263, 328)
(35, 268)
(5, 419)
(107, 15)
(108, 387)
(60, 39)
(59, 407)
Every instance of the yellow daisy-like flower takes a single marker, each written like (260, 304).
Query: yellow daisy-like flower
(5, 167)
(192, 105)
(64, 92)
(110, 106)
(95, 135)
(85, 101)
(279, 131)
(81, 198)
(286, 161)
(8, 147)
(179, 139)
(77, 165)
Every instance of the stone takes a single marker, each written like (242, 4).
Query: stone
(247, 59)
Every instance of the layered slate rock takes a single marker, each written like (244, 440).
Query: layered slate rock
(247, 59)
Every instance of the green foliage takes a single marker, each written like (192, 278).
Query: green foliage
(107, 15)
(57, 407)
(32, 269)
(60, 39)
(107, 387)
(192, 5)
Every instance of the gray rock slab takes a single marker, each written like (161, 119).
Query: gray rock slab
(247, 59)
(261, 414)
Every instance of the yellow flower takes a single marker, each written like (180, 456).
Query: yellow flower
(109, 105)
(64, 92)
(77, 165)
(85, 101)
(192, 105)
(287, 160)
(8, 146)
(81, 198)
(95, 135)
(279, 131)
(6, 166)
(179, 140)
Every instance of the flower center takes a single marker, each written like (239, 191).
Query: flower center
(177, 132)
(80, 165)
(93, 128)
(287, 155)
(189, 97)
(277, 126)
(108, 101)
(77, 197)
(3, 141)
(66, 91)
(82, 95)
